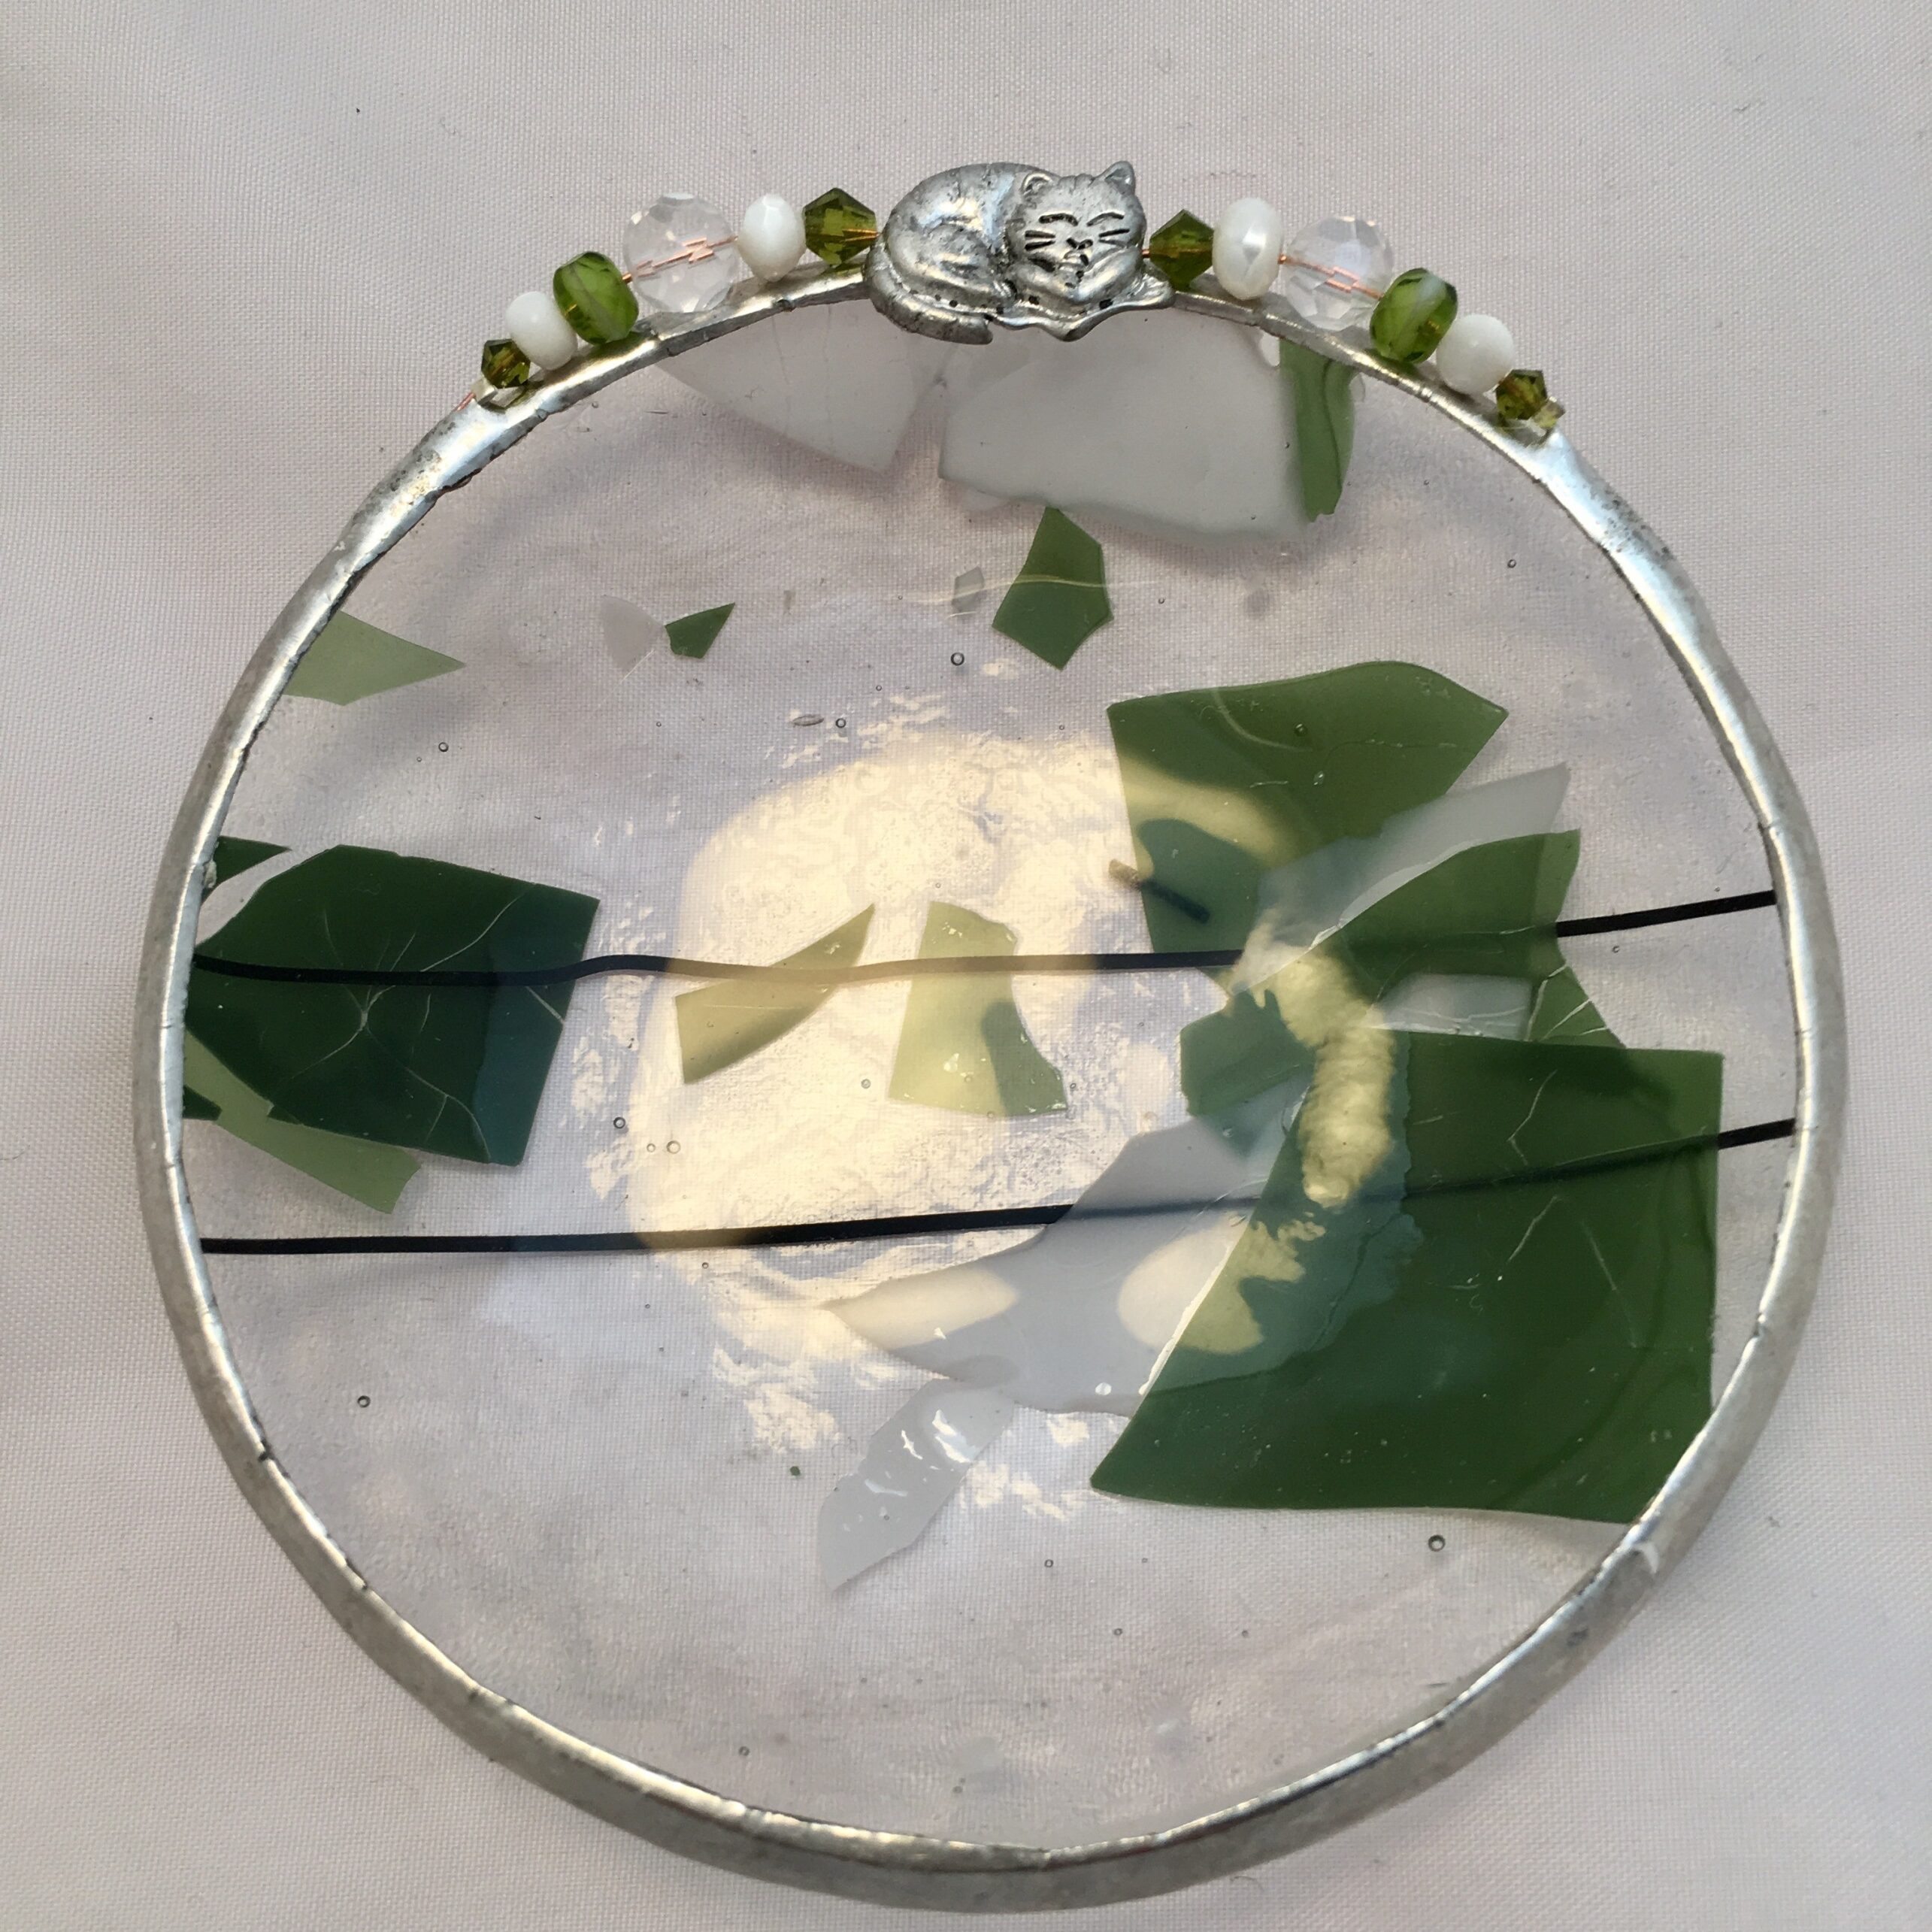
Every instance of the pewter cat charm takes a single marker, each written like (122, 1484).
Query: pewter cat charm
(1006, 244)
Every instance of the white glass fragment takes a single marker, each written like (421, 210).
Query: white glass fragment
(1477, 1003)
(1080, 1317)
(842, 381)
(910, 1469)
(1168, 424)
(629, 633)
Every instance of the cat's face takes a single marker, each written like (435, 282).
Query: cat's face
(1075, 237)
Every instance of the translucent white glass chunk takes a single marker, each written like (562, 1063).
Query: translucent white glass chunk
(1078, 1317)
(1339, 249)
(629, 633)
(1470, 1003)
(842, 381)
(1169, 424)
(679, 253)
(908, 1473)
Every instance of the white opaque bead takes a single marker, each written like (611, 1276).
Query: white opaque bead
(538, 327)
(1247, 249)
(771, 237)
(1475, 355)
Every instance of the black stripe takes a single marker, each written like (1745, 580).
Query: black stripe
(671, 965)
(900, 1227)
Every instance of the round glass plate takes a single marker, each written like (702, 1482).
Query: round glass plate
(1269, 1131)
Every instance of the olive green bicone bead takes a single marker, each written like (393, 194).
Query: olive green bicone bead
(1522, 396)
(839, 227)
(504, 365)
(1413, 316)
(1182, 250)
(596, 300)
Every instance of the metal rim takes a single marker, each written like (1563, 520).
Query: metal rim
(908, 1869)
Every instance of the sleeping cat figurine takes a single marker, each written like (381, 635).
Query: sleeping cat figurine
(1003, 243)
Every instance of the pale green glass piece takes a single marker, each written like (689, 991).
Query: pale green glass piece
(963, 1044)
(351, 660)
(364, 1170)
(596, 300)
(1059, 598)
(720, 1024)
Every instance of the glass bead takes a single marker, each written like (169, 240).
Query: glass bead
(679, 254)
(1342, 249)
(594, 298)
(1181, 249)
(504, 365)
(839, 228)
(1522, 396)
(1413, 316)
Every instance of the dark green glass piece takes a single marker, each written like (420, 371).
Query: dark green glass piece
(1486, 911)
(692, 637)
(451, 1069)
(839, 228)
(351, 660)
(1181, 249)
(962, 1045)
(1512, 1312)
(720, 1024)
(1413, 315)
(1224, 784)
(504, 364)
(374, 1175)
(237, 854)
(596, 300)
(1324, 425)
(198, 1106)
(1522, 396)
(1059, 598)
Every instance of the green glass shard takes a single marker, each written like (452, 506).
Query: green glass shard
(720, 1024)
(596, 300)
(964, 1045)
(1181, 249)
(839, 228)
(1324, 425)
(451, 1070)
(351, 660)
(504, 365)
(692, 637)
(1413, 315)
(1059, 598)
(1485, 912)
(237, 854)
(373, 1175)
(1224, 784)
(1512, 1311)
(198, 1106)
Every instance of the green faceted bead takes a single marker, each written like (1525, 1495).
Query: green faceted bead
(1181, 249)
(839, 230)
(1413, 316)
(1521, 396)
(504, 364)
(596, 300)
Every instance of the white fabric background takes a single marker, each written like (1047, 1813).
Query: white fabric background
(249, 250)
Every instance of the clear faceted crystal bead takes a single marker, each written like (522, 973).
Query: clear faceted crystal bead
(689, 228)
(1348, 249)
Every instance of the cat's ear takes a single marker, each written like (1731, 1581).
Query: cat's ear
(1122, 175)
(1033, 180)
